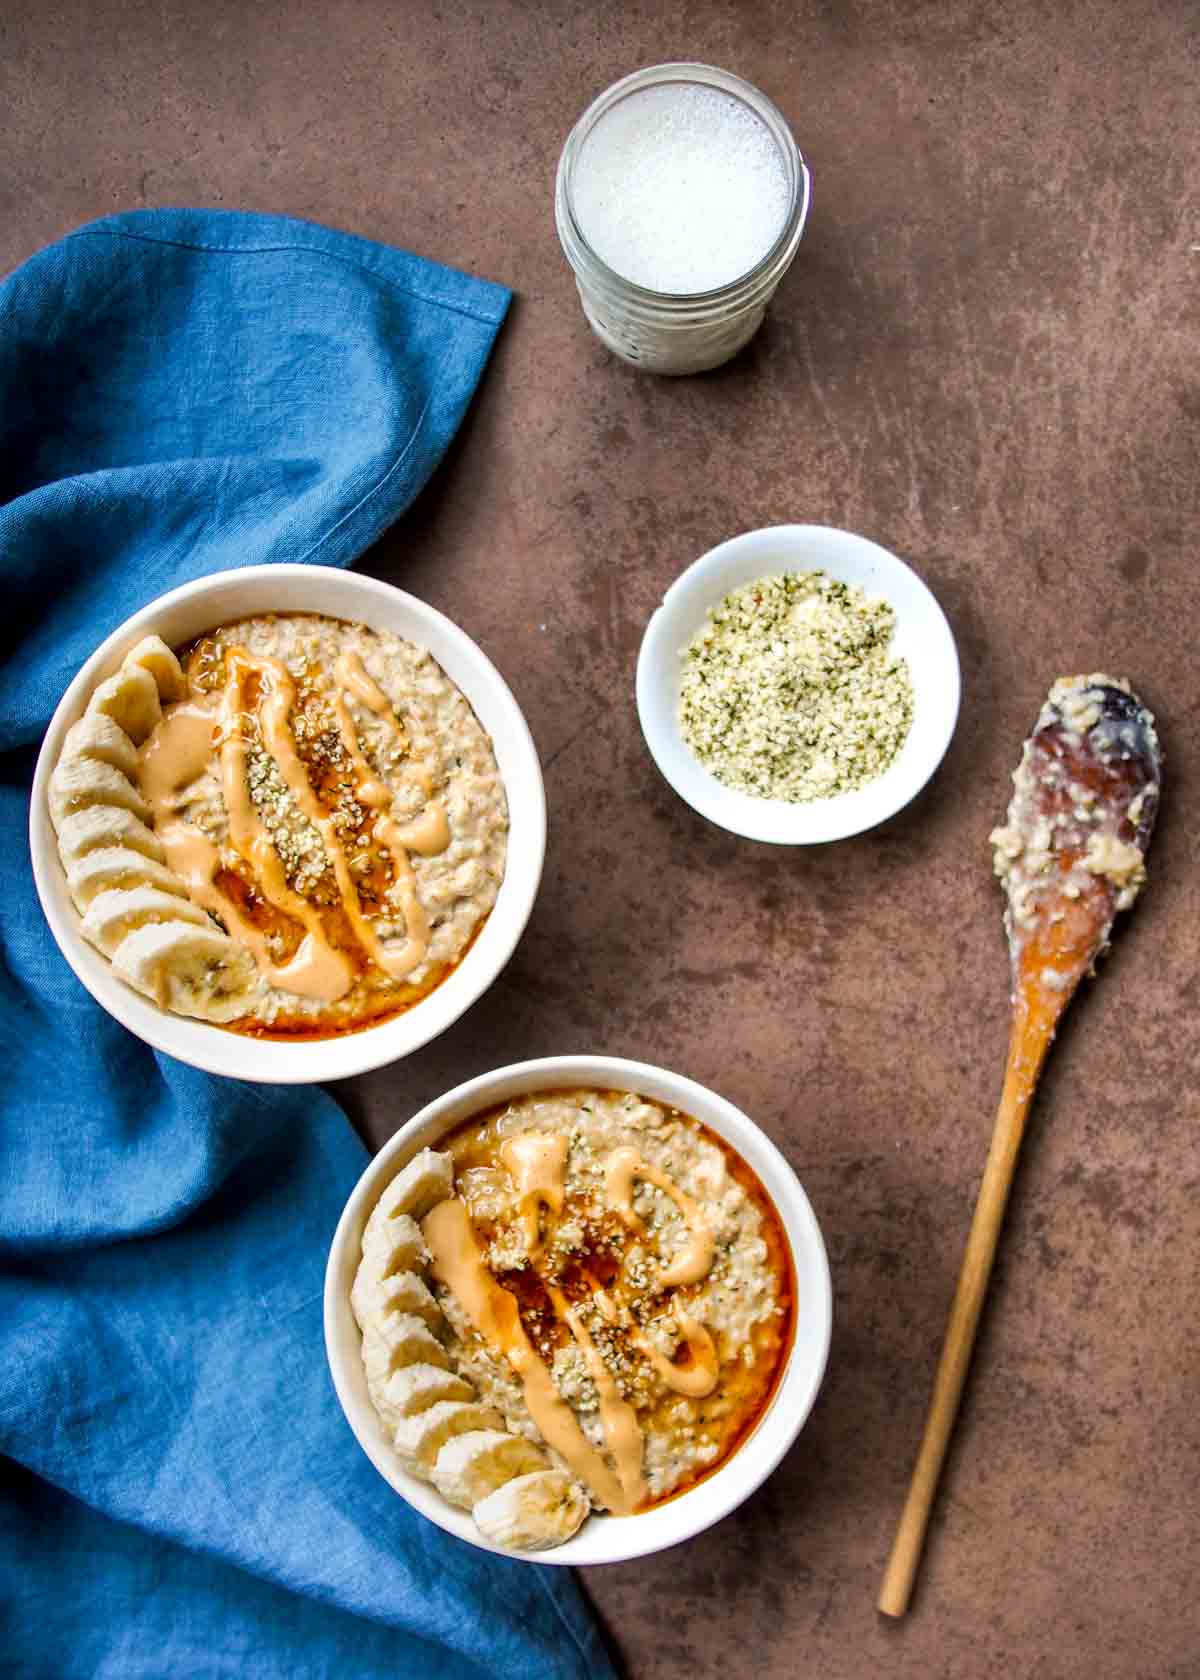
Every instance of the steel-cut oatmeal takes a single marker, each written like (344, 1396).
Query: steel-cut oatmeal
(293, 826)
(581, 1302)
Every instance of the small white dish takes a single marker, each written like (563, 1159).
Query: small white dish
(219, 599)
(922, 637)
(602, 1539)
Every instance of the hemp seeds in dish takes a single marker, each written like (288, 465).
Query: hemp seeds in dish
(790, 691)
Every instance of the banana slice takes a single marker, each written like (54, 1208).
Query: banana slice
(426, 1180)
(106, 825)
(131, 700)
(471, 1466)
(188, 970)
(542, 1508)
(419, 1439)
(399, 1339)
(415, 1388)
(97, 736)
(391, 1245)
(372, 1298)
(109, 867)
(113, 914)
(79, 783)
(154, 656)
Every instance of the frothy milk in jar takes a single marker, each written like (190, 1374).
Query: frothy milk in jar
(681, 188)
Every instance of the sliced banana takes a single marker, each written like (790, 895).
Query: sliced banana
(415, 1388)
(106, 825)
(154, 656)
(439, 1427)
(118, 866)
(399, 1339)
(471, 1466)
(131, 699)
(79, 783)
(97, 736)
(391, 1245)
(419, 1439)
(114, 913)
(136, 909)
(541, 1508)
(426, 1180)
(372, 1298)
(190, 970)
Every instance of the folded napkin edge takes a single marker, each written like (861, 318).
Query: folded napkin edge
(486, 301)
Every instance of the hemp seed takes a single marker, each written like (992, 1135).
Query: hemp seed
(789, 691)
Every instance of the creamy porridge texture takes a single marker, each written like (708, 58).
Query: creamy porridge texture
(295, 827)
(581, 1275)
(1106, 845)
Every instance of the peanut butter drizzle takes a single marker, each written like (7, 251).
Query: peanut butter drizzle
(427, 834)
(178, 751)
(622, 1431)
(348, 672)
(459, 1266)
(700, 1377)
(537, 1162)
(317, 970)
(278, 701)
(621, 1170)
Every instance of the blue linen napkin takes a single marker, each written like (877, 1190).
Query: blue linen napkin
(182, 392)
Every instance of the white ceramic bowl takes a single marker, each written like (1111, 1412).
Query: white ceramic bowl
(922, 637)
(602, 1539)
(201, 606)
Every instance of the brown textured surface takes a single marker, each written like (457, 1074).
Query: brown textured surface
(986, 358)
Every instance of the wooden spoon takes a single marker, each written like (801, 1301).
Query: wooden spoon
(1070, 856)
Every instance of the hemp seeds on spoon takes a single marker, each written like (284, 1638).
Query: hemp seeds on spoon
(790, 691)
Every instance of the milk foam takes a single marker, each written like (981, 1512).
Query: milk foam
(680, 188)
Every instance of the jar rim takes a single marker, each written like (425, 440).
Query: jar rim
(764, 273)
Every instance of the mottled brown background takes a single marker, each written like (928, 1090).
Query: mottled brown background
(986, 358)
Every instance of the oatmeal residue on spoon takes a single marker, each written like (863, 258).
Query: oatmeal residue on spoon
(1072, 851)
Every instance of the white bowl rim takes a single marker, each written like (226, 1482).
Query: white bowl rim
(778, 548)
(603, 1539)
(306, 1061)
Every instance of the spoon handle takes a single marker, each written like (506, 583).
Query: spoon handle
(1033, 1029)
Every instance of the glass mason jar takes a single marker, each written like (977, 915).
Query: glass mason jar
(686, 332)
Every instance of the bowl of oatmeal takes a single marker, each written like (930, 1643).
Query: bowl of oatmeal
(287, 823)
(798, 684)
(577, 1309)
